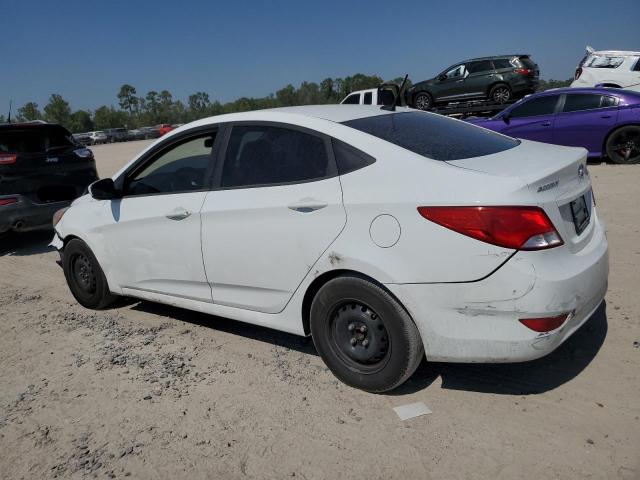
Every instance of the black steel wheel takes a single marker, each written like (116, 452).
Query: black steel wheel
(623, 145)
(364, 335)
(423, 101)
(85, 277)
(500, 93)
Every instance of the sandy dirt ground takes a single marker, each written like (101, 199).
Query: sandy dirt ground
(149, 391)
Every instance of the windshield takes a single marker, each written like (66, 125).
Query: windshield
(434, 136)
(34, 139)
(599, 61)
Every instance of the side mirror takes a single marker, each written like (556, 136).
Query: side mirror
(506, 118)
(442, 77)
(104, 189)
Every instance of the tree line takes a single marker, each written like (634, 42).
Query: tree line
(160, 107)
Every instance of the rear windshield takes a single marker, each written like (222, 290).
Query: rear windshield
(599, 61)
(34, 139)
(434, 136)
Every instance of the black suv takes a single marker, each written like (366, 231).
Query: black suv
(42, 169)
(499, 79)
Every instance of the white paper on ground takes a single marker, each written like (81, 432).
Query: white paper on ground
(411, 410)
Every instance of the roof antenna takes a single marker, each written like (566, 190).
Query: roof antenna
(10, 105)
(392, 107)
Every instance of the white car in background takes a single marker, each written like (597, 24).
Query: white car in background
(383, 234)
(608, 68)
(98, 137)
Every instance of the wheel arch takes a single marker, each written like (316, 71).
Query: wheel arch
(318, 282)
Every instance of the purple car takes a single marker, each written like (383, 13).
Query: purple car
(602, 120)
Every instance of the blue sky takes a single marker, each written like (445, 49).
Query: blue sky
(85, 50)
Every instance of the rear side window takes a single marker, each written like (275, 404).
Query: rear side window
(368, 98)
(433, 136)
(349, 158)
(601, 61)
(585, 101)
(266, 155)
(34, 139)
(536, 106)
(502, 63)
(526, 62)
(353, 99)
(479, 67)
(608, 101)
(636, 67)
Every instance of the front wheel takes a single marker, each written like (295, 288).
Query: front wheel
(364, 335)
(84, 276)
(500, 94)
(623, 145)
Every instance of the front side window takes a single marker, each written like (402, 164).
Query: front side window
(536, 106)
(456, 72)
(433, 136)
(601, 61)
(353, 99)
(181, 168)
(266, 155)
(368, 98)
(636, 67)
(585, 101)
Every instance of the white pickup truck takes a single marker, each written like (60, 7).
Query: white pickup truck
(372, 96)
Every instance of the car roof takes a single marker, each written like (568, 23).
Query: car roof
(598, 90)
(616, 53)
(32, 124)
(495, 57)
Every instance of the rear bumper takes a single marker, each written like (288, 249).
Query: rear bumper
(25, 215)
(478, 321)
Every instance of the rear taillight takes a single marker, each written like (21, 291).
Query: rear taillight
(83, 153)
(8, 201)
(8, 158)
(523, 71)
(578, 73)
(545, 324)
(519, 228)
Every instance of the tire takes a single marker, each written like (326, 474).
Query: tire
(623, 145)
(500, 93)
(364, 335)
(84, 276)
(423, 101)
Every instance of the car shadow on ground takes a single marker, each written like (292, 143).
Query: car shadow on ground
(27, 243)
(247, 330)
(525, 378)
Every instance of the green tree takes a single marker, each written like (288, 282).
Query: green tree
(152, 106)
(548, 84)
(127, 98)
(199, 105)
(287, 96)
(81, 121)
(29, 111)
(57, 110)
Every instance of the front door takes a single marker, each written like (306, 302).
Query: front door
(532, 119)
(276, 209)
(154, 235)
(450, 85)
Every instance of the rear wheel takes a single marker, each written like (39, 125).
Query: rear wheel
(423, 101)
(500, 93)
(85, 277)
(364, 335)
(623, 145)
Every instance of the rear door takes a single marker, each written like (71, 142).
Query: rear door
(276, 208)
(533, 118)
(480, 76)
(585, 120)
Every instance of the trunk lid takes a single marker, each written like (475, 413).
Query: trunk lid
(556, 179)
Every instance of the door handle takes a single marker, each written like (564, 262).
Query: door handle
(605, 116)
(178, 214)
(545, 124)
(307, 205)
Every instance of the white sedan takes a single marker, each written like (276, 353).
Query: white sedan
(385, 235)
